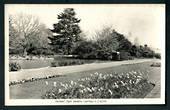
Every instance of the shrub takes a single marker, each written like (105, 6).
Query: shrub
(156, 65)
(124, 55)
(131, 58)
(68, 62)
(54, 64)
(157, 55)
(14, 66)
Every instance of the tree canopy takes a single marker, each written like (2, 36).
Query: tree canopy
(66, 32)
(27, 33)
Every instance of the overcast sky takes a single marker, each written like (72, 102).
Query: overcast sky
(145, 23)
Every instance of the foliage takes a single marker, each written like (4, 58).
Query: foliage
(86, 49)
(107, 43)
(157, 55)
(124, 43)
(156, 65)
(40, 51)
(126, 85)
(68, 62)
(14, 47)
(124, 55)
(26, 34)
(14, 66)
(66, 32)
(142, 51)
(134, 51)
(106, 46)
(107, 40)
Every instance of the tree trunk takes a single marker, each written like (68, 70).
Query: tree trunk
(68, 50)
(25, 52)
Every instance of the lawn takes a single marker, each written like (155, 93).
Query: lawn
(40, 63)
(34, 90)
(29, 64)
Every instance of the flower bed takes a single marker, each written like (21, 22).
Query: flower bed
(125, 85)
(32, 79)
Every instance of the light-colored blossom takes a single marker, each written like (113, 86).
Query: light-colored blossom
(54, 84)
(110, 91)
(46, 82)
(72, 82)
(59, 90)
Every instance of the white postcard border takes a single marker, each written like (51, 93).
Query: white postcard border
(29, 102)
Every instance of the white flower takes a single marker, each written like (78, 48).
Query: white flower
(100, 75)
(89, 89)
(72, 82)
(93, 89)
(101, 88)
(81, 85)
(81, 91)
(54, 84)
(59, 90)
(85, 89)
(87, 78)
(66, 85)
(104, 77)
(137, 81)
(46, 82)
(134, 72)
(110, 91)
(113, 86)
(116, 86)
(122, 83)
(139, 76)
(130, 81)
(120, 76)
(96, 73)
(111, 75)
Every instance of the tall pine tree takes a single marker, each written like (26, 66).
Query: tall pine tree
(66, 32)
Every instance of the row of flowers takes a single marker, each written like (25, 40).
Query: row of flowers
(32, 79)
(115, 85)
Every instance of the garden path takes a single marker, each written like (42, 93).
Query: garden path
(155, 77)
(47, 71)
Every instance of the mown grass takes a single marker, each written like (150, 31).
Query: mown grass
(57, 61)
(68, 61)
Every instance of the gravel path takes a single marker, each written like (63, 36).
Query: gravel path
(47, 71)
(155, 77)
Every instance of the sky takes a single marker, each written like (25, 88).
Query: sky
(144, 24)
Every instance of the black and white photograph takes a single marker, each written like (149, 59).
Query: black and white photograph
(84, 54)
